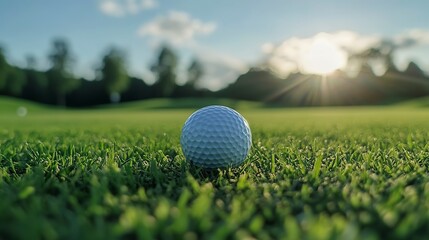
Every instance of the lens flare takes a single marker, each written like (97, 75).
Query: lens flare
(322, 57)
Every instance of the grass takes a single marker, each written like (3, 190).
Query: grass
(325, 173)
(419, 102)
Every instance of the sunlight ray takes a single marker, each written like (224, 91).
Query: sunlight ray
(288, 88)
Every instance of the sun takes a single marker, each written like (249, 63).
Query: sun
(322, 57)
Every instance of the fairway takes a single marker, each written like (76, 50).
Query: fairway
(312, 173)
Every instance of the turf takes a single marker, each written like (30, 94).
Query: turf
(326, 173)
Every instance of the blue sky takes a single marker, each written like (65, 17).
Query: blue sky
(227, 35)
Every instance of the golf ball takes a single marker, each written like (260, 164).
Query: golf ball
(216, 137)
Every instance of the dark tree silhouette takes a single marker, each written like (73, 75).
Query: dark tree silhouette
(59, 75)
(415, 71)
(4, 66)
(256, 85)
(37, 82)
(15, 81)
(57, 85)
(89, 93)
(195, 72)
(383, 53)
(114, 73)
(165, 70)
(12, 79)
(137, 90)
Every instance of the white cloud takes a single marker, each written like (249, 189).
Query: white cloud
(148, 4)
(132, 6)
(352, 42)
(220, 69)
(119, 8)
(176, 28)
(181, 30)
(111, 8)
(412, 45)
(286, 56)
(267, 48)
(289, 55)
(412, 38)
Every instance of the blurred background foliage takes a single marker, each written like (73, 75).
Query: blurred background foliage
(57, 85)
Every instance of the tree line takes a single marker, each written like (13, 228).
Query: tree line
(339, 88)
(57, 85)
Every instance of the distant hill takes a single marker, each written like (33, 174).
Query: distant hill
(419, 102)
(11, 105)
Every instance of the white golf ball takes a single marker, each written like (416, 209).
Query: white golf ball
(216, 137)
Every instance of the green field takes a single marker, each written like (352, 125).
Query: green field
(118, 172)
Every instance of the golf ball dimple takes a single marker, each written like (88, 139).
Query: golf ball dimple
(216, 137)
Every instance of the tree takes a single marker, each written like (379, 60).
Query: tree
(165, 70)
(60, 78)
(195, 72)
(381, 54)
(256, 85)
(415, 71)
(37, 82)
(15, 81)
(113, 72)
(4, 67)
(12, 79)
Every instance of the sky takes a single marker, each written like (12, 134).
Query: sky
(227, 36)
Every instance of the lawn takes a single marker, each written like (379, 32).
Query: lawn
(118, 172)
